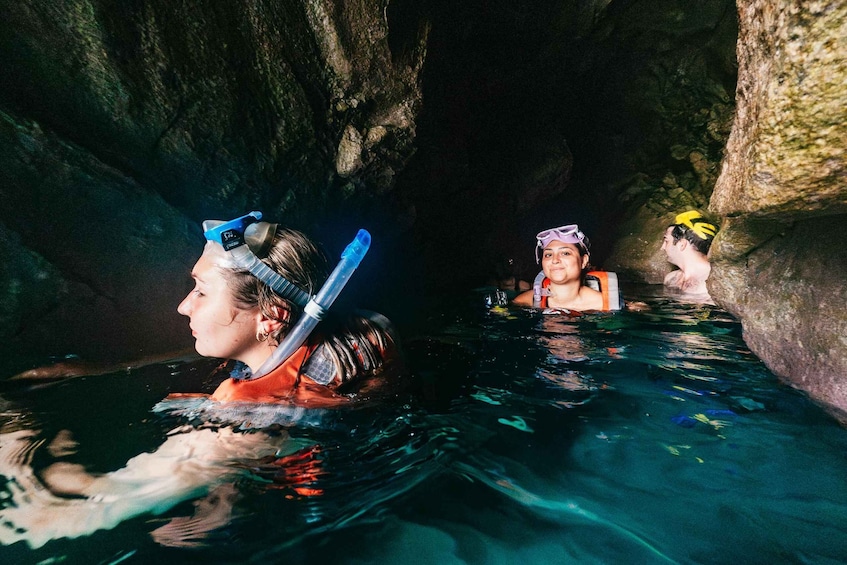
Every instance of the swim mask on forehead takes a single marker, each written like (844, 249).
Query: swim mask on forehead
(566, 234)
(245, 239)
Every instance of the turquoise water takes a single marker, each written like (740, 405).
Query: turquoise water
(636, 437)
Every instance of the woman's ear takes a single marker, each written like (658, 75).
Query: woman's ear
(585, 259)
(272, 324)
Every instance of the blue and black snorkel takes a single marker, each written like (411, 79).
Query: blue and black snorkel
(236, 236)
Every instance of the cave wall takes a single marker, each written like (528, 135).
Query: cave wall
(779, 262)
(539, 114)
(123, 124)
(659, 83)
(134, 113)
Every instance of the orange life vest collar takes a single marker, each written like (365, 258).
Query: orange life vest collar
(606, 282)
(277, 385)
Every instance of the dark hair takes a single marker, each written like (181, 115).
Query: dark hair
(681, 231)
(355, 344)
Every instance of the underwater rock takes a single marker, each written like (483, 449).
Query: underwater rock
(790, 296)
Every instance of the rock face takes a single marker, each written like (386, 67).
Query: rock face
(786, 154)
(780, 261)
(677, 99)
(90, 261)
(122, 124)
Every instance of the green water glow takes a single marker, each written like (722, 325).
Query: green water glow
(636, 437)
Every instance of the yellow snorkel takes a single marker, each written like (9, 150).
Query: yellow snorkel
(702, 228)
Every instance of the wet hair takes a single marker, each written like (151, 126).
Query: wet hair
(681, 231)
(355, 344)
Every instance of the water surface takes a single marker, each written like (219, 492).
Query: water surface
(634, 437)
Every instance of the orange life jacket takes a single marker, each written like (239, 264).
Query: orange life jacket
(286, 382)
(606, 282)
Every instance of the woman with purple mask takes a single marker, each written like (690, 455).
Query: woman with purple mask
(564, 259)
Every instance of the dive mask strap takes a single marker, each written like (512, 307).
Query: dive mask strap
(318, 306)
(229, 234)
(233, 237)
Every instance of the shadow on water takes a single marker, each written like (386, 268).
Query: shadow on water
(635, 437)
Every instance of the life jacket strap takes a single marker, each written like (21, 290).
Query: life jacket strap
(605, 282)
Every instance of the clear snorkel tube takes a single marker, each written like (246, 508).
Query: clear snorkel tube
(229, 234)
(316, 308)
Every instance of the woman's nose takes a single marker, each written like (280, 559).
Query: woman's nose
(184, 306)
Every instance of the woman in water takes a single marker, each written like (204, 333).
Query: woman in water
(564, 259)
(253, 303)
(243, 316)
(247, 300)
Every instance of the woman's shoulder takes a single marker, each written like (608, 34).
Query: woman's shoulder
(592, 299)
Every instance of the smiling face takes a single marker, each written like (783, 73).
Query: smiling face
(220, 328)
(562, 262)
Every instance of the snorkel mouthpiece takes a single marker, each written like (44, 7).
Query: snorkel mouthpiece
(317, 307)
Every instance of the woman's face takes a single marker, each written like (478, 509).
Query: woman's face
(561, 262)
(220, 328)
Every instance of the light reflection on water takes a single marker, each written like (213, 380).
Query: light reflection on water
(636, 437)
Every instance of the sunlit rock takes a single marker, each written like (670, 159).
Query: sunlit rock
(786, 153)
(780, 261)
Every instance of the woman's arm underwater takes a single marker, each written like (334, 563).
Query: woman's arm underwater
(74, 367)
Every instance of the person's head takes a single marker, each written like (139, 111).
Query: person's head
(693, 229)
(236, 315)
(562, 252)
(293, 256)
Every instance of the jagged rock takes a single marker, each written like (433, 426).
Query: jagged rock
(125, 123)
(93, 263)
(779, 261)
